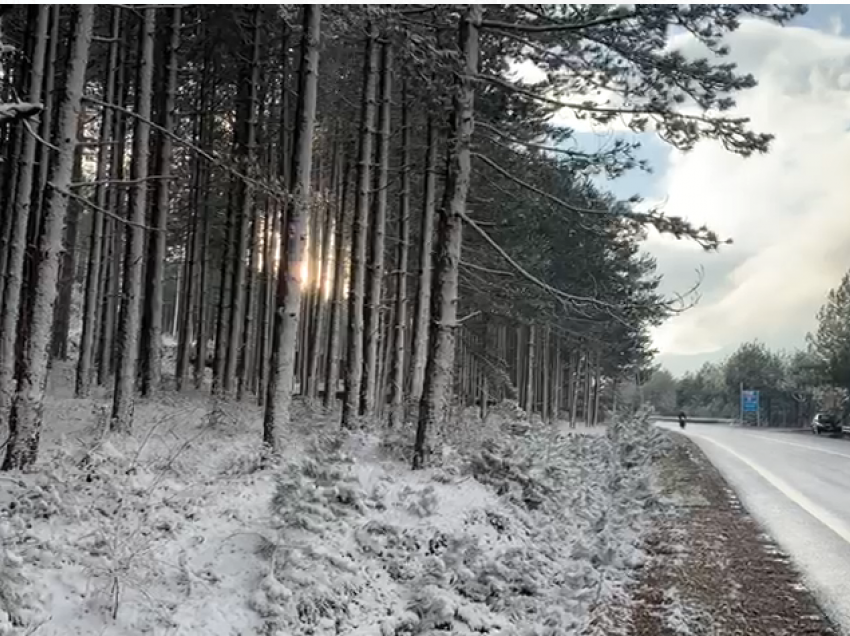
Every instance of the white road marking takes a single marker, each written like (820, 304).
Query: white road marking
(771, 438)
(824, 516)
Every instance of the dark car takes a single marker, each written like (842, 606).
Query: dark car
(826, 423)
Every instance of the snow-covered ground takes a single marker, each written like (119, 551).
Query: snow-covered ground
(187, 528)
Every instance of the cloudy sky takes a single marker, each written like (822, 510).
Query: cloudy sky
(788, 212)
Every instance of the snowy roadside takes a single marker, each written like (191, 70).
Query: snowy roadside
(710, 569)
(187, 529)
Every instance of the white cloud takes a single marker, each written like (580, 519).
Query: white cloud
(788, 212)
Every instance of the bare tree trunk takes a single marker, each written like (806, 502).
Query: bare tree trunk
(128, 329)
(444, 302)
(422, 307)
(277, 412)
(575, 377)
(588, 383)
(191, 283)
(324, 276)
(208, 89)
(245, 367)
(335, 322)
(25, 421)
(244, 201)
(155, 273)
(20, 215)
(93, 279)
(284, 165)
(545, 377)
(67, 267)
(354, 357)
(530, 369)
(377, 235)
(400, 327)
(597, 377)
(555, 384)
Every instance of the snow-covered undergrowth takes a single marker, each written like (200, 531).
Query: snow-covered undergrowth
(534, 532)
(187, 528)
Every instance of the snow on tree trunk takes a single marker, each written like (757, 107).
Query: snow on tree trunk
(20, 214)
(422, 308)
(377, 240)
(92, 298)
(131, 300)
(400, 327)
(438, 371)
(155, 272)
(27, 409)
(354, 357)
(288, 306)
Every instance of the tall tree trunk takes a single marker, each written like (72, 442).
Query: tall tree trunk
(277, 412)
(597, 378)
(354, 357)
(555, 384)
(444, 302)
(530, 369)
(325, 275)
(400, 327)
(67, 268)
(202, 328)
(20, 214)
(188, 318)
(335, 322)
(245, 367)
(113, 240)
(25, 421)
(155, 271)
(92, 298)
(377, 239)
(545, 376)
(244, 200)
(131, 301)
(284, 165)
(575, 381)
(422, 307)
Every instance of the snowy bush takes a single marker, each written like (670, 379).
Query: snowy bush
(539, 538)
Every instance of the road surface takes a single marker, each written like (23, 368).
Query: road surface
(798, 487)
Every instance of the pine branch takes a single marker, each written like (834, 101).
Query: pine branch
(559, 27)
(271, 191)
(480, 268)
(564, 296)
(676, 226)
(551, 197)
(100, 210)
(646, 111)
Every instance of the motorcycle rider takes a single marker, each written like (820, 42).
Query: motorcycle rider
(682, 419)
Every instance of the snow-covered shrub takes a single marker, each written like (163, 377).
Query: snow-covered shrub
(538, 537)
(313, 576)
(20, 609)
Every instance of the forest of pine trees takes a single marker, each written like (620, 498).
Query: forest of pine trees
(363, 205)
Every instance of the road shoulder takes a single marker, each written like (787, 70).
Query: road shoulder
(711, 570)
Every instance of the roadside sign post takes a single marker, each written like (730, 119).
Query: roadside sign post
(750, 407)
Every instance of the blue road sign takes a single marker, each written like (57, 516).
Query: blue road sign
(749, 401)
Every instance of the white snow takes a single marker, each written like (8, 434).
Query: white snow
(186, 528)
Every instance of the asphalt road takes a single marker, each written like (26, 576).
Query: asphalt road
(797, 485)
